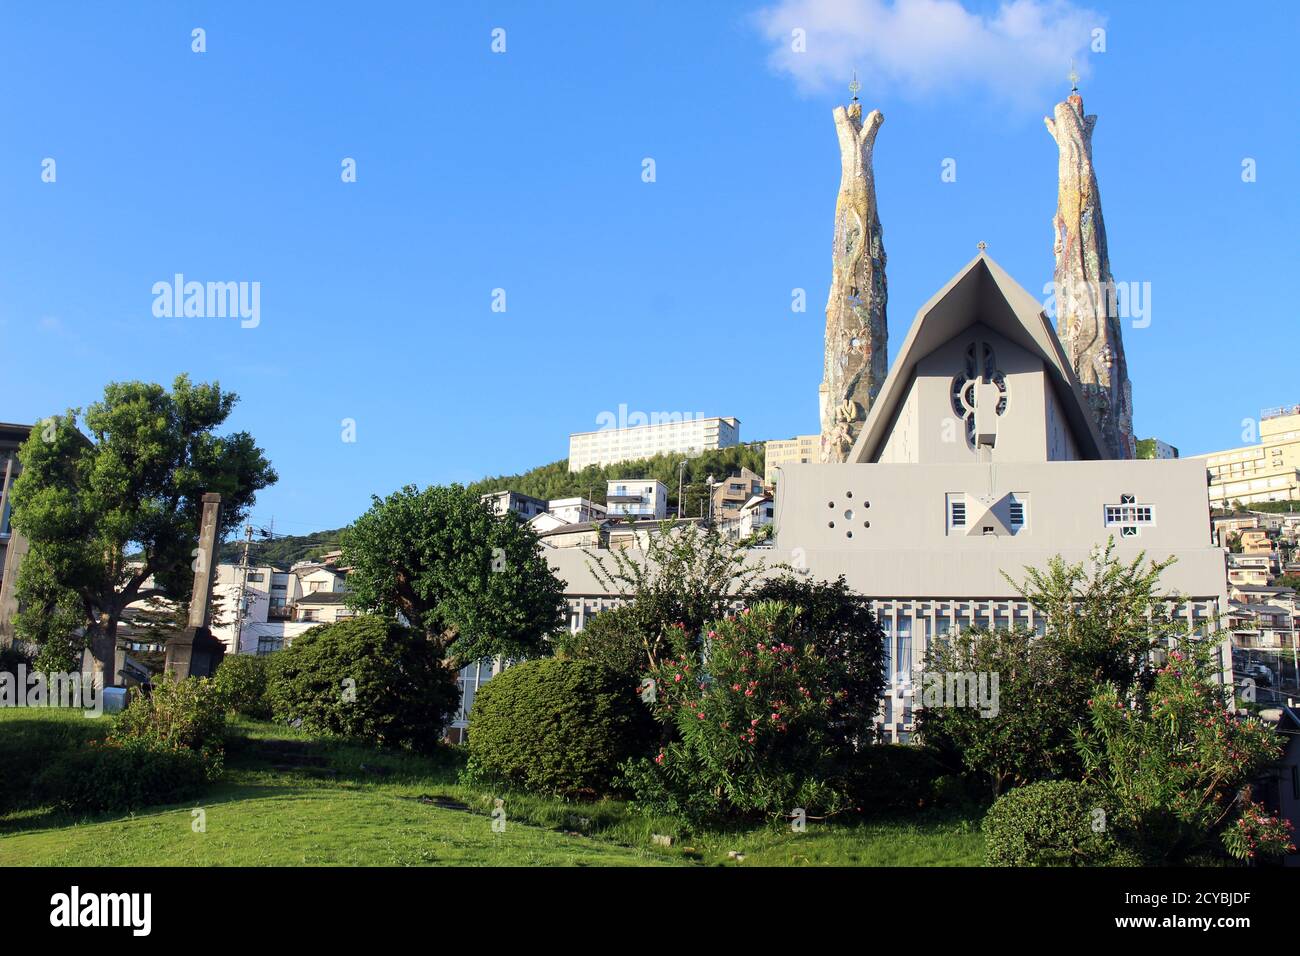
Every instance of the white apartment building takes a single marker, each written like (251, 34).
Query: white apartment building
(279, 605)
(526, 506)
(639, 497)
(576, 510)
(684, 435)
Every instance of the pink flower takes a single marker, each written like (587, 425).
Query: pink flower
(700, 714)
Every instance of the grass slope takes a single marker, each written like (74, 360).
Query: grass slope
(289, 799)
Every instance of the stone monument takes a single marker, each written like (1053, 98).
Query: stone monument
(1087, 322)
(856, 359)
(195, 652)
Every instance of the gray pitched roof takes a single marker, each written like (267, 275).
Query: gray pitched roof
(981, 292)
(322, 597)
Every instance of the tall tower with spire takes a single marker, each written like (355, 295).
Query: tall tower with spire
(856, 333)
(1086, 302)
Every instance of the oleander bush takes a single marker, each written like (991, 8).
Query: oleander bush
(751, 715)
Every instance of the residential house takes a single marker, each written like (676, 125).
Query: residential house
(636, 497)
(731, 493)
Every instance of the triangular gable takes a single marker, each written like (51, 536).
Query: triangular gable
(981, 292)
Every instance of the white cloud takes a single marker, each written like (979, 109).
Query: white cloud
(1020, 52)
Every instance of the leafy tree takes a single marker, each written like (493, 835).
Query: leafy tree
(1172, 763)
(625, 639)
(49, 616)
(1104, 618)
(1101, 622)
(475, 583)
(136, 481)
(1028, 738)
(686, 576)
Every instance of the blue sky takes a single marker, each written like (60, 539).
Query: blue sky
(523, 171)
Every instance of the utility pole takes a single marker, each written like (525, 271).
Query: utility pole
(681, 474)
(243, 589)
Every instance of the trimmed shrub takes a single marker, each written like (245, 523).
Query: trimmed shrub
(1051, 823)
(242, 681)
(365, 677)
(123, 775)
(556, 726)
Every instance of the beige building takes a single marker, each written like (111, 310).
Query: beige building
(679, 435)
(780, 452)
(979, 456)
(731, 493)
(1268, 471)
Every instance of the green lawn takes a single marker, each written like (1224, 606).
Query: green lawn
(289, 799)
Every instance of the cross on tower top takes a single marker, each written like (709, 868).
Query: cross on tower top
(981, 245)
(855, 86)
(1073, 78)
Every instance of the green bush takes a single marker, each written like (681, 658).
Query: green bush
(11, 655)
(617, 638)
(178, 716)
(556, 726)
(242, 681)
(366, 677)
(887, 778)
(753, 734)
(121, 775)
(1051, 823)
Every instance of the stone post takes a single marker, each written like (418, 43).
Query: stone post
(195, 652)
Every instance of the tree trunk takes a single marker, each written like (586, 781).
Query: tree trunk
(102, 638)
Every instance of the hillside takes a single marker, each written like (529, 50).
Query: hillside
(545, 481)
(556, 481)
(282, 550)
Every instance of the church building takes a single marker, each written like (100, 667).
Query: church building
(991, 446)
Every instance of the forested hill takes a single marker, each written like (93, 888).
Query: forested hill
(556, 481)
(546, 481)
(280, 552)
